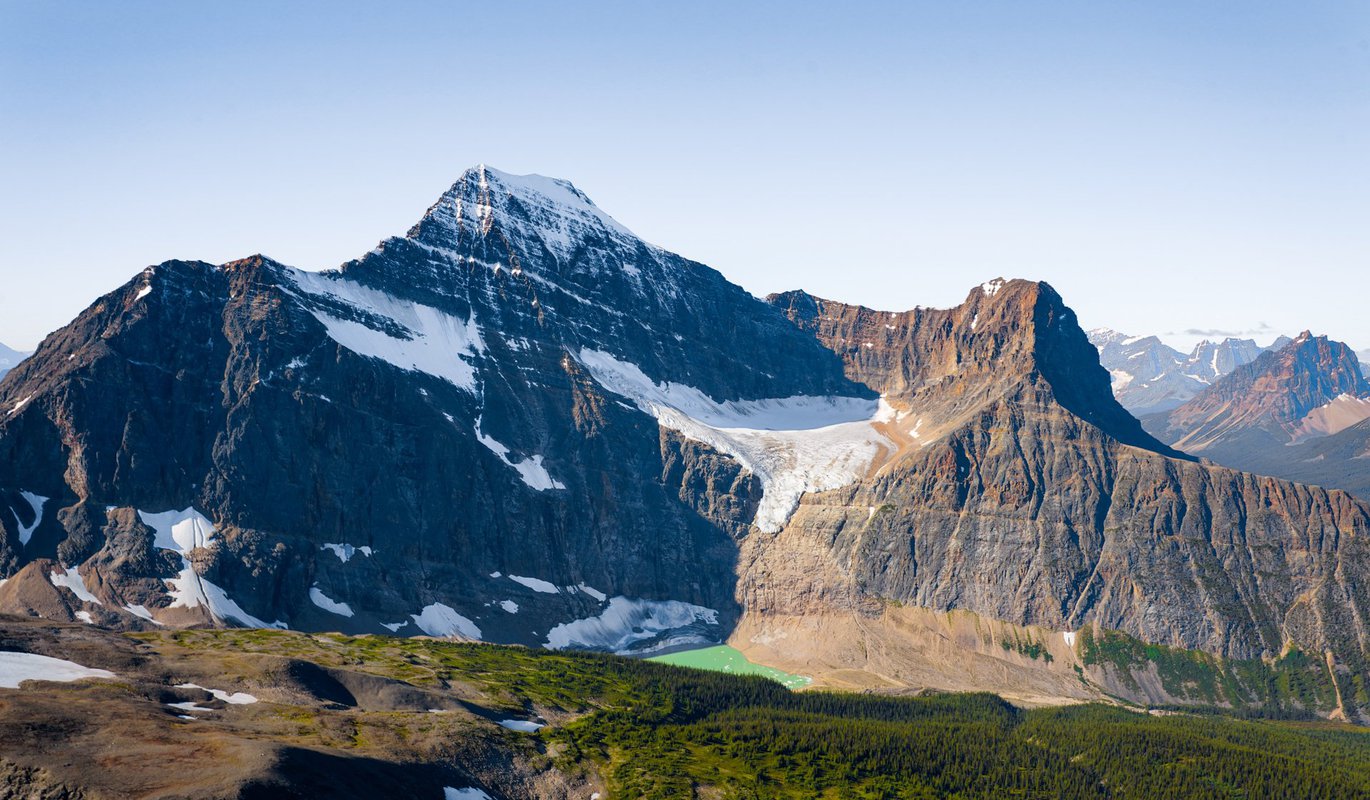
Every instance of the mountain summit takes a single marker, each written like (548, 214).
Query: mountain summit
(531, 210)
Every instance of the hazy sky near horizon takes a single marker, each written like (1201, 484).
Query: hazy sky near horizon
(1188, 169)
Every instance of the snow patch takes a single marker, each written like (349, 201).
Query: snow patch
(36, 503)
(85, 617)
(626, 622)
(510, 606)
(71, 579)
(793, 445)
(469, 793)
(233, 698)
(181, 531)
(141, 612)
(593, 592)
(438, 619)
(344, 552)
(15, 668)
(1069, 636)
(529, 469)
(991, 288)
(394, 626)
(522, 725)
(15, 408)
(535, 584)
(408, 335)
(189, 590)
(318, 598)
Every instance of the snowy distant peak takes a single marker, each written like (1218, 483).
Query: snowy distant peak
(1150, 376)
(525, 210)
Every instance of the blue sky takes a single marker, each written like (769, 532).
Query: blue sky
(1167, 166)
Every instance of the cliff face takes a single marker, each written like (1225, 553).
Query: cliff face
(1028, 497)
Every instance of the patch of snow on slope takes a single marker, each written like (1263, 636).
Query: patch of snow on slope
(510, 606)
(189, 590)
(36, 503)
(469, 793)
(419, 338)
(626, 622)
(85, 617)
(793, 445)
(443, 620)
(344, 552)
(318, 598)
(17, 406)
(141, 612)
(521, 725)
(72, 580)
(529, 469)
(536, 584)
(181, 532)
(16, 668)
(234, 698)
(593, 592)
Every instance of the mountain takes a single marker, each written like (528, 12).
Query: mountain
(1149, 376)
(1364, 356)
(8, 358)
(521, 423)
(417, 442)
(1294, 413)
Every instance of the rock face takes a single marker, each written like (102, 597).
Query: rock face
(521, 423)
(1027, 494)
(1294, 413)
(411, 443)
(1149, 377)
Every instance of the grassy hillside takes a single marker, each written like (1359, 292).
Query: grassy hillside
(656, 731)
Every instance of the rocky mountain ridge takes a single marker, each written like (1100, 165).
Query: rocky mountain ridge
(1277, 414)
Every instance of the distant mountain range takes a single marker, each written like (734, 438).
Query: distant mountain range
(9, 357)
(1300, 412)
(1150, 376)
(521, 423)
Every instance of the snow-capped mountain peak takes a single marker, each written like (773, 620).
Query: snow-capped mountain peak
(531, 209)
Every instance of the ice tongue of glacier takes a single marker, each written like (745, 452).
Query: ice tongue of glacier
(793, 445)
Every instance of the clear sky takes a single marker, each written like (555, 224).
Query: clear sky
(1169, 166)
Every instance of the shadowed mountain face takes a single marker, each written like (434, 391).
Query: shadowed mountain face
(413, 441)
(1298, 413)
(523, 424)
